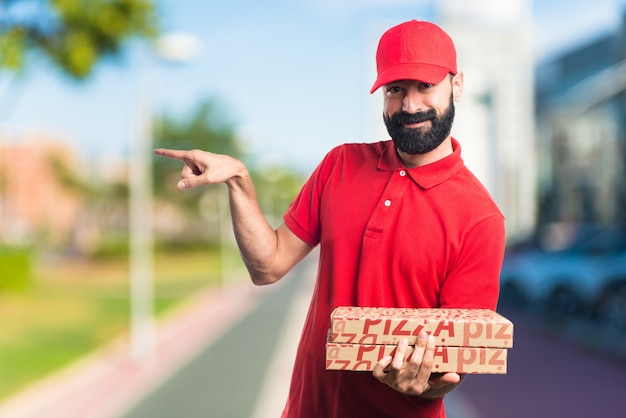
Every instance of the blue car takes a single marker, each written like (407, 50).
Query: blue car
(570, 270)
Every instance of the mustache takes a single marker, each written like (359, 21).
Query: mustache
(405, 118)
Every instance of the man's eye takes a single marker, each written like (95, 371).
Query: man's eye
(394, 89)
(426, 85)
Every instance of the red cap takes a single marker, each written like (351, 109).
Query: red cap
(414, 51)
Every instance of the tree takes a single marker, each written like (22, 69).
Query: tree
(73, 34)
(194, 216)
(206, 128)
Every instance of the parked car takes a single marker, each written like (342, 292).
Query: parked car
(570, 270)
(609, 306)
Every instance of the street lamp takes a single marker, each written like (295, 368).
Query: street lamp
(176, 47)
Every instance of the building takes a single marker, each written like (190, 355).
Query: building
(34, 202)
(496, 120)
(581, 117)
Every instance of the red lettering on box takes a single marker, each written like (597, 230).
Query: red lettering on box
(447, 326)
(387, 326)
(466, 356)
(470, 331)
(368, 339)
(443, 353)
(344, 364)
(504, 332)
(332, 353)
(363, 350)
(367, 323)
(399, 329)
(496, 358)
(445, 359)
(362, 365)
(381, 352)
(339, 326)
(418, 328)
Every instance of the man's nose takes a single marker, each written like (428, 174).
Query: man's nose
(412, 102)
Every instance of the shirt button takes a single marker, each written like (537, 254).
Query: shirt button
(402, 173)
(387, 203)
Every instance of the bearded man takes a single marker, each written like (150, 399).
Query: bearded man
(400, 223)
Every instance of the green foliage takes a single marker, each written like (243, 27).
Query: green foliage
(73, 34)
(206, 128)
(12, 46)
(111, 245)
(277, 186)
(63, 170)
(74, 308)
(204, 210)
(15, 268)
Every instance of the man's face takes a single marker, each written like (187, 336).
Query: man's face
(418, 116)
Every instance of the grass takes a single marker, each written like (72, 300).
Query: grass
(74, 308)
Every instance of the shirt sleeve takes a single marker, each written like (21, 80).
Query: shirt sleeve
(474, 279)
(303, 215)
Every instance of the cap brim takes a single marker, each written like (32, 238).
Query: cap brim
(426, 73)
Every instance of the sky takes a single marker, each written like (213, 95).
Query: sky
(292, 75)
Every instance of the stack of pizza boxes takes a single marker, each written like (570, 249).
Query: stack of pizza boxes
(466, 340)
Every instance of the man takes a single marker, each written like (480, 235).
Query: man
(400, 223)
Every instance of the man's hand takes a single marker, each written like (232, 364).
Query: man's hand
(267, 252)
(203, 168)
(415, 377)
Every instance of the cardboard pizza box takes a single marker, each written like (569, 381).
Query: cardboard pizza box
(364, 357)
(449, 327)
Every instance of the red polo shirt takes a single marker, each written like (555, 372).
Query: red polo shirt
(428, 236)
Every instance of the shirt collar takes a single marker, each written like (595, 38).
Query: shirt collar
(428, 175)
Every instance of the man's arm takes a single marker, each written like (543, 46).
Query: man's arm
(267, 253)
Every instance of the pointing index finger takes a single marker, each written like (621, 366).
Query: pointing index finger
(171, 153)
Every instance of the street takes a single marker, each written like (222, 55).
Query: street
(224, 380)
(246, 372)
(229, 354)
(547, 376)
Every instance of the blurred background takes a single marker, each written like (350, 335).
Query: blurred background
(98, 246)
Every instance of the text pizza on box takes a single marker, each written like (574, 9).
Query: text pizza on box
(449, 327)
(364, 357)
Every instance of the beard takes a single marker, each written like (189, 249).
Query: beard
(420, 140)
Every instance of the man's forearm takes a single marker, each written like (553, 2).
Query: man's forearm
(267, 253)
(256, 239)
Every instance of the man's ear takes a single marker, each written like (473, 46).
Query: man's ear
(457, 86)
